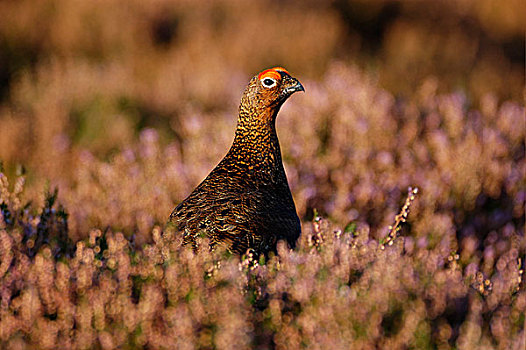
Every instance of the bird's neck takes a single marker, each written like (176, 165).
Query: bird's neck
(256, 142)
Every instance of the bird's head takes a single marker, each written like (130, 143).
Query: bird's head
(267, 91)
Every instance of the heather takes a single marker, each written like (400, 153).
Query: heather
(111, 113)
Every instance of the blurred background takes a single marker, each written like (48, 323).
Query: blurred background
(110, 99)
(126, 105)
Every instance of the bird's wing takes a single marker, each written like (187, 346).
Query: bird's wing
(221, 215)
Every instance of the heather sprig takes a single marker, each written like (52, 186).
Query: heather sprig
(400, 218)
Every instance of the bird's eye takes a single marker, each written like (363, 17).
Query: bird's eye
(268, 82)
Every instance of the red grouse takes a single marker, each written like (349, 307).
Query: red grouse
(245, 202)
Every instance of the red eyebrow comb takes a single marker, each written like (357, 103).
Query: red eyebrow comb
(272, 73)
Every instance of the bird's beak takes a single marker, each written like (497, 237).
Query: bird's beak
(294, 88)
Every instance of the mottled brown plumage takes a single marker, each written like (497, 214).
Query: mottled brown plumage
(245, 202)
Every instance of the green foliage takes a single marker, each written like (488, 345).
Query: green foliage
(350, 228)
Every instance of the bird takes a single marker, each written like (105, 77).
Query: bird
(245, 203)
